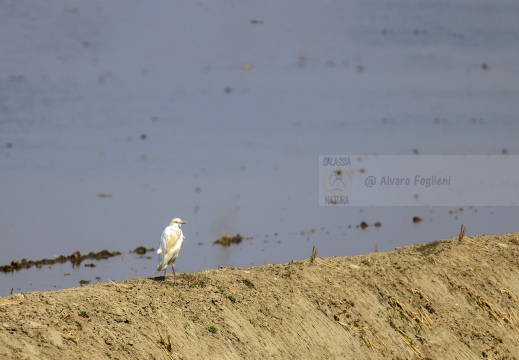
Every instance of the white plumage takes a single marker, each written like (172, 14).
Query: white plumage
(170, 244)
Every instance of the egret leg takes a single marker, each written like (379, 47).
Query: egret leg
(165, 273)
(174, 273)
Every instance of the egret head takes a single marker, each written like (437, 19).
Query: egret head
(177, 221)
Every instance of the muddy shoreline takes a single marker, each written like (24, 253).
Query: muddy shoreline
(452, 298)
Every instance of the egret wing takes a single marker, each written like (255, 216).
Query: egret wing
(169, 247)
(161, 252)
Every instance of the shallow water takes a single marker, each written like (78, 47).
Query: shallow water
(191, 110)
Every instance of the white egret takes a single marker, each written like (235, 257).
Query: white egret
(170, 244)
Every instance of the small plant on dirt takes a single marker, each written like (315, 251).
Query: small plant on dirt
(287, 274)
(265, 311)
(391, 321)
(262, 321)
(231, 298)
(117, 288)
(356, 322)
(213, 329)
(83, 313)
(293, 262)
(194, 280)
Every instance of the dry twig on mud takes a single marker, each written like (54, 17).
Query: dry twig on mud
(424, 315)
(462, 232)
(409, 343)
(420, 292)
(367, 342)
(409, 315)
(486, 305)
(361, 330)
(314, 254)
(383, 343)
(511, 294)
(398, 306)
(71, 336)
(11, 302)
(476, 243)
(166, 347)
(348, 327)
(325, 263)
(433, 259)
(319, 261)
(461, 237)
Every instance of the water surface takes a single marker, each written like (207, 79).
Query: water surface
(217, 112)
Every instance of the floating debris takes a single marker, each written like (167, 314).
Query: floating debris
(75, 258)
(416, 219)
(227, 240)
(104, 196)
(363, 225)
(141, 250)
(224, 240)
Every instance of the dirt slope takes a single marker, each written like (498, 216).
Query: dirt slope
(449, 299)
